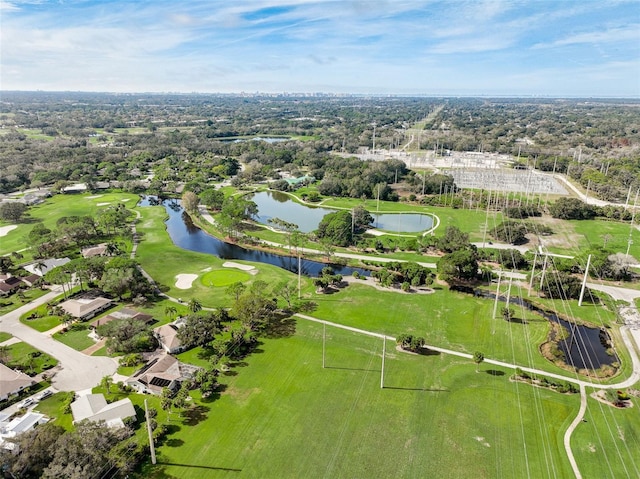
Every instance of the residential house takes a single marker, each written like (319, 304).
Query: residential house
(11, 428)
(98, 250)
(94, 407)
(30, 280)
(84, 308)
(77, 188)
(44, 266)
(12, 382)
(124, 313)
(162, 372)
(167, 336)
(9, 285)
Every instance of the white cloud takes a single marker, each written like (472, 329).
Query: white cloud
(611, 35)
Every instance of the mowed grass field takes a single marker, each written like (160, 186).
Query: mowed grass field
(164, 261)
(56, 207)
(607, 443)
(284, 416)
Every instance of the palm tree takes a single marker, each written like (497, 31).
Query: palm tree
(170, 311)
(106, 383)
(194, 305)
(478, 357)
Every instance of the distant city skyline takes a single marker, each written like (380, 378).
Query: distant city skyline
(403, 47)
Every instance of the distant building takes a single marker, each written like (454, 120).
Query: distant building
(98, 250)
(94, 407)
(12, 382)
(77, 188)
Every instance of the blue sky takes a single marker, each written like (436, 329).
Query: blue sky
(522, 48)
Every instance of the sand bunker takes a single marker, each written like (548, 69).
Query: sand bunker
(243, 267)
(94, 196)
(184, 281)
(5, 229)
(103, 204)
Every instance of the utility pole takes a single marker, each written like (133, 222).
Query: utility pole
(384, 352)
(495, 303)
(584, 281)
(533, 271)
(324, 340)
(151, 445)
(299, 275)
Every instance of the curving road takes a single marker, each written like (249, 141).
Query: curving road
(77, 371)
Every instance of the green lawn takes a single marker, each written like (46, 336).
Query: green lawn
(30, 360)
(4, 336)
(53, 408)
(77, 339)
(285, 416)
(14, 301)
(42, 324)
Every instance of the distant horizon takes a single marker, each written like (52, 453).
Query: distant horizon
(320, 94)
(472, 48)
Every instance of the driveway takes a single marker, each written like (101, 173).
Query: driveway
(78, 371)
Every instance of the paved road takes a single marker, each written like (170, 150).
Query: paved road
(78, 371)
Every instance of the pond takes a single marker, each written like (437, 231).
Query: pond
(268, 139)
(186, 235)
(273, 204)
(584, 348)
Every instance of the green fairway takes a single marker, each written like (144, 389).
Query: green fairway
(157, 244)
(285, 416)
(607, 442)
(56, 207)
(224, 277)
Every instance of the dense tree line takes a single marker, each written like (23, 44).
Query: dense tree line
(181, 138)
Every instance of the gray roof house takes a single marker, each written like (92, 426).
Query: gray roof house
(94, 407)
(12, 382)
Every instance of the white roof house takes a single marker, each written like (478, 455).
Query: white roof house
(94, 407)
(85, 308)
(18, 425)
(42, 267)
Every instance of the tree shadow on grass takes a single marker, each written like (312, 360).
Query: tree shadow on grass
(494, 372)
(194, 415)
(174, 442)
(280, 328)
(214, 396)
(424, 351)
(431, 390)
(518, 321)
(353, 369)
(197, 466)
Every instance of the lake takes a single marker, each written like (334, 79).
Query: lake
(274, 204)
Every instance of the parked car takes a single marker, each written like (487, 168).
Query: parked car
(44, 394)
(26, 403)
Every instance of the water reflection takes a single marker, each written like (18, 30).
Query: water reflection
(274, 204)
(185, 234)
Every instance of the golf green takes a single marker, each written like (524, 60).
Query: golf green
(224, 277)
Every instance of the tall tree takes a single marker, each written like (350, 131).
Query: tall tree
(190, 201)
